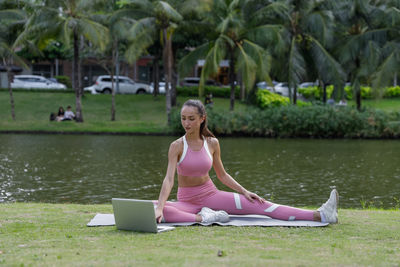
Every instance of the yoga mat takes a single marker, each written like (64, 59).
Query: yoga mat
(235, 220)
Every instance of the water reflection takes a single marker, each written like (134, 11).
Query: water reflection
(92, 169)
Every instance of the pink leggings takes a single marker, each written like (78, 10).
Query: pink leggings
(192, 199)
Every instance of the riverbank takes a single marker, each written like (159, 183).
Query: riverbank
(135, 114)
(40, 234)
(140, 114)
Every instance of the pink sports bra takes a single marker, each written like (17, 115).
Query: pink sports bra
(194, 163)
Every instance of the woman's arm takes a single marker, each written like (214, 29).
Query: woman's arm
(168, 182)
(225, 178)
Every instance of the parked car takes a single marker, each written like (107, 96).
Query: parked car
(265, 85)
(90, 89)
(195, 81)
(161, 87)
(126, 85)
(308, 84)
(35, 82)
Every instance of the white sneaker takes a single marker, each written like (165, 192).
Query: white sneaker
(210, 216)
(329, 208)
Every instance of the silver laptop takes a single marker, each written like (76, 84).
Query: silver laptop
(136, 215)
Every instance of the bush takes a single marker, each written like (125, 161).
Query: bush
(315, 93)
(393, 91)
(64, 80)
(266, 99)
(293, 121)
(216, 91)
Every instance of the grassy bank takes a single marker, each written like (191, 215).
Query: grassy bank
(135, 113)
(55, 234)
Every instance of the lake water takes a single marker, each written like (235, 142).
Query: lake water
(93, 169)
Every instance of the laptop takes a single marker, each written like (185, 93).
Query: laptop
(136, 215)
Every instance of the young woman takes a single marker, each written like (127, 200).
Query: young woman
(199, 200)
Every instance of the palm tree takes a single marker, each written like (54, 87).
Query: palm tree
(154, 20)
(360, 45)
(71, 22)
(118, 22)
(11, 23)
(390, 65)
(235, 31)
(308, 34)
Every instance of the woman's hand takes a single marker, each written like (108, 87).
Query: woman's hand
(159, 215)
(253, 196)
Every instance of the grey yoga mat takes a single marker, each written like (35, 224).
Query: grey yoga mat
(235, 220)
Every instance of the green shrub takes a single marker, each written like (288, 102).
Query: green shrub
(315, 92)
(216, 91)
(266, 99)
(317, 121)
(393, 91)
(64, 80)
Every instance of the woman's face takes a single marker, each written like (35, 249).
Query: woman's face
(191, 119)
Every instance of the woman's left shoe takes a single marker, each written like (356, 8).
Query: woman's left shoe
(211, 216)
(328, 210)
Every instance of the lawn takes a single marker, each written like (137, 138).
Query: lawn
(39, 234)
(135, 113)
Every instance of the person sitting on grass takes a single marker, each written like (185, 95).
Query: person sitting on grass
(192, 156)
(68, 115)
(60, 114)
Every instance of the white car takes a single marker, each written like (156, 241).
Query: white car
(308, 84)
(161, 87)
(35, 82)
(265, 85)
(278, 88)
(126, 86)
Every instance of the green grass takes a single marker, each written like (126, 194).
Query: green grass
(388, 104)
(36, 234)
(135, 113)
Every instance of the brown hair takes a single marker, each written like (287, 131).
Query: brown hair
(204, 131)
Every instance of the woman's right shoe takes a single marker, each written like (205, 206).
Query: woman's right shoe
(211, 216)
(328, 210)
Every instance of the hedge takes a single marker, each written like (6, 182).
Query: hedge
(293, 121)
(314, 92)
(267, 99)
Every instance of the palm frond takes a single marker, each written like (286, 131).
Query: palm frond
(297, 65)
(266, 35)
(214, 56)
(329, 70)
(247, 67)
(320, 25)
(270, 12)
(187, 62)
(356, 43)
(261, 58)
(94, 32)
(136, 4)
(165, 9)
(146, 24)
(386, 71)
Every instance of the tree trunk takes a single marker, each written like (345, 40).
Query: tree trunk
(9, 78)
(77, 74)
(156, 75)
(295, 95)
(174, 80)
(242, 88)
(114, 58)
(167, 72)
(112, 82)
(358, 98)
(324, 94)
(232, 80)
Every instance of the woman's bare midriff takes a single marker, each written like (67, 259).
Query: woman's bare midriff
(189, 181)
